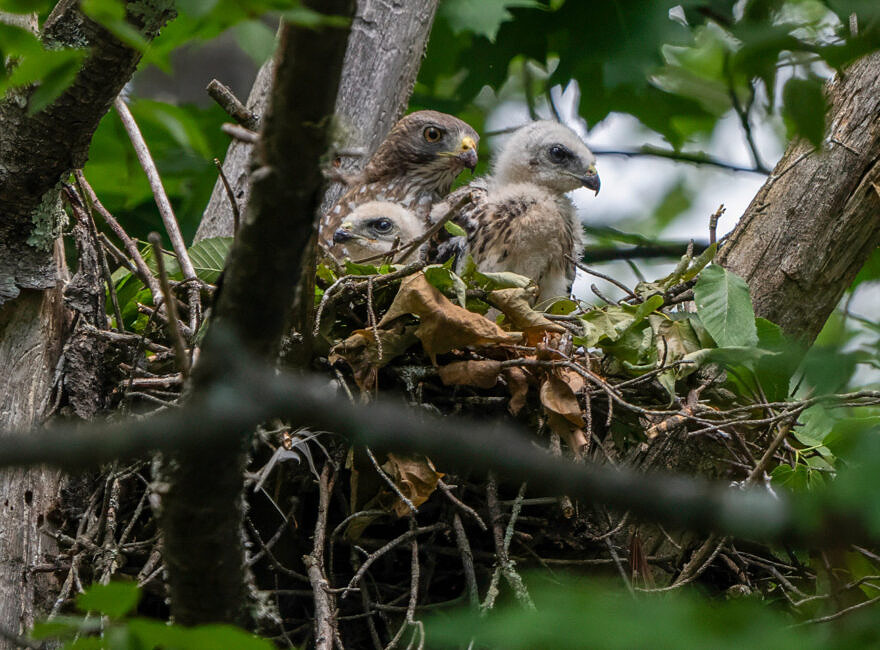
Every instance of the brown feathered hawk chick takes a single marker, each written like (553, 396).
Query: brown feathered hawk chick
(520, 219)
(414, 167)
(373, 228)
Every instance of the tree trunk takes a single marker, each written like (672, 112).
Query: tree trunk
(28, 357)
(816, 220)
(385, 51)
(37, 151)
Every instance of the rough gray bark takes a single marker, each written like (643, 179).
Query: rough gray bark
(36, 153)
(28, 356)
(817, 219)
(382, 61)
(202, 511)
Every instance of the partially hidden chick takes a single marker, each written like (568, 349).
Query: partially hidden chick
(373, 228)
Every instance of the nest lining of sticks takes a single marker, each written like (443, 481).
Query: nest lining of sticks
(399, 536)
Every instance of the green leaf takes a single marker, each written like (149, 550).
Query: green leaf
(447, 282)
(153, 634)
(256, 39)
(209, 257)
(725, 308)
(774, 373)
(804, 108)
(24, 6)
(561, 307)
(115, 599)
(729, 356)
(58, 627)
(311, 19)
(483, 18)
(52, 71)
(676, 620)
(353, 268)
(454, 229)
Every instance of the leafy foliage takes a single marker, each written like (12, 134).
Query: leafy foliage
(115, 629)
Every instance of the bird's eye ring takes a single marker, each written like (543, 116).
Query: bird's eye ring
(558, 154)
(432, 134)
(382, 225)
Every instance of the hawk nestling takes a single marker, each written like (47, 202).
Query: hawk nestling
(519, 218)
(413, 167)
(373, 228)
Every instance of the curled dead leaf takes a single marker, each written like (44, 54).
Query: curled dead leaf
(516, 303)
(557, 397)
(443, 325)
(518, 385)
(365, 356)
(416, 478)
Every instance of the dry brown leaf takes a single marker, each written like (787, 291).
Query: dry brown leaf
(516, 305)
(482, 374)
(518, 385)
(361, 352)
(443, 325)
(575, 380)
(574, 437)
(415, 476)
(557, 397)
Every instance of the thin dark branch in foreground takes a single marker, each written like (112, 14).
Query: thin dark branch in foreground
(594, 254)
(245, 395)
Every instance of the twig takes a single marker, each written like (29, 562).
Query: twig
(467, 561)
(743, 113)
(143, 271)
(502, 543)
(679, 156)
(236, 215)
(173, 326)
(586, 269)
(325, 621)
(227, 100)
(375, 555)
(461, 504)
(165, 210)
(839, 614)
(240, 133)
(390, 482)
(409, 618)
(594, 254)
(713, 223)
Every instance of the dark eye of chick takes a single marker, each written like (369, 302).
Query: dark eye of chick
(558, 154)
(382, 226)
(432, 134)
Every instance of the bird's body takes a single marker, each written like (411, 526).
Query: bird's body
(372, 229)
(520, 219)
(414, 167)
(528, 230)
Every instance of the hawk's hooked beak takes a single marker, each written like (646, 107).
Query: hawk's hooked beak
(591, 180)
(342, 235)
(467, 152)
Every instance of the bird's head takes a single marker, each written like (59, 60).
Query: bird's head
(428, 148)
(548, 154)
(374, 227)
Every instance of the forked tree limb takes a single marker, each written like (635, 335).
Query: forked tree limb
(816, 220)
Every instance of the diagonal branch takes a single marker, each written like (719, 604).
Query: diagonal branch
(202, 514)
